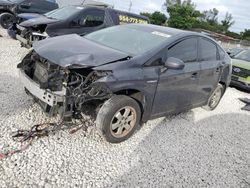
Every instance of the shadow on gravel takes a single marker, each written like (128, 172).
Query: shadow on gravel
(180, 152)
(241, 89)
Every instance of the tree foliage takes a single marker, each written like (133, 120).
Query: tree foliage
(182, 14)
(156, 18)
(245, 34)
(227, 22)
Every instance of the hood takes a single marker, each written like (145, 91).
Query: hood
(241, 63)
(38, 21)
(73, 50)
(27, 16)
(5, 2)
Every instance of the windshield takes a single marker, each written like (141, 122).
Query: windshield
(244, 55)
(129, 39)
(64, 12)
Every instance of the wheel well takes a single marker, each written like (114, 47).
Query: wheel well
(135, 94)
(6, 11)
(223, 84)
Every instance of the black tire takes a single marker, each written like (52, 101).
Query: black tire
(218, 94)
(107, 118)
(6, 20)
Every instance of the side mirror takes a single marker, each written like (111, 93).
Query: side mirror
(174, 63)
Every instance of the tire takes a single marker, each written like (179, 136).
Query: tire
(118, 118)
(215, 98)
(6, 20)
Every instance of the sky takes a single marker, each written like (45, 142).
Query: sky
(240, 9)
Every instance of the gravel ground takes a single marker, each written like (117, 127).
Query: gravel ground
(193, 149)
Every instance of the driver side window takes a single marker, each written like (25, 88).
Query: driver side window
(92, 18)
(186, 50)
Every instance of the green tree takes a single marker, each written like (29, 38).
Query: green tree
(246, 34)
(182, 14)
(156, 18)
(227, 22)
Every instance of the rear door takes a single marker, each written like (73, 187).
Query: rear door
(177, 89)
(211, 67)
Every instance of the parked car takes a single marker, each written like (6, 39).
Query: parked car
(9, 9)
(132, 73)
(241, 70)
(234, 51)
(72, 20)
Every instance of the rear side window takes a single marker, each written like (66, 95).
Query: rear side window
(185, 50)
(208, 50)
(221, 53)
(92, 18)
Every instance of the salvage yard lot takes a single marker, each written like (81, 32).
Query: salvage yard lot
(193, 149)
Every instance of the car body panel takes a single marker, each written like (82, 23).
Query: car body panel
(38, 20)
(27, 16)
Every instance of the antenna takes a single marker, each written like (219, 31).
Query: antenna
(83, 2)
(130, 6)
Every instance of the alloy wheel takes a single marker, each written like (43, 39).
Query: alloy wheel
(123, 122)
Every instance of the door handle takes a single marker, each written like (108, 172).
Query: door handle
(194, 75)
(218, 69)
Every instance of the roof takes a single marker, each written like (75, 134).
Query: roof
(96, 3)
(163, 29)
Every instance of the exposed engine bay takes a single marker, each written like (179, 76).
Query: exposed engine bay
(62, 90)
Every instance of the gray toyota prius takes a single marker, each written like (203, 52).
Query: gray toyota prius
(128, 74)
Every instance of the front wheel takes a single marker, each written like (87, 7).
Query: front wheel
(215, 98)
(6, 20)
(118, 118)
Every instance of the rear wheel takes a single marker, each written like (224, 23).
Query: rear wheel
(215, 98)
(118, 118)
(6, 20)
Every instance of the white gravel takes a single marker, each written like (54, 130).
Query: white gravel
(194, 149)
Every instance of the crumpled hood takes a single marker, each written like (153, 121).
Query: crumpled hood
(27, 16)
(5, 2)
(70, 50)
(241, 63)
(38, 21)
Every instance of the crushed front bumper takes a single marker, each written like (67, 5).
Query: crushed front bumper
(48, 98)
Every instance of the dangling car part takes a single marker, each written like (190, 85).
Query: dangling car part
(9, 9)
(133, 73)
(79, 20)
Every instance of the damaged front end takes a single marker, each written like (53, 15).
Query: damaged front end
(27, 36)
(61, 90)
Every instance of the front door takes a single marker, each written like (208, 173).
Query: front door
(177, 89)
(88, 21)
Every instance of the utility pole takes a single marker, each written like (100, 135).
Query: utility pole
(130, 6)
(83, 2)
